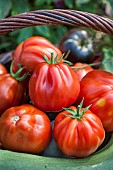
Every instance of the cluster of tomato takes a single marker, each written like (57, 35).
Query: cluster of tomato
(39, 70)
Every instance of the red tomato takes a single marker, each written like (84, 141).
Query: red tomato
(97, 89)
(82, 69)
(11, 92)
(53, 86)
(16, 56)
(3, 70)
(32, 50)
(15, 67)
(77, 132)
(25, 129)
(1, 146)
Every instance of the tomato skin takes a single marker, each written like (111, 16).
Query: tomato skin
(32, 50)
(97, 89)
(53, 86)
(11, 92)
(3, 70)
(25, 129)
(78, 42)
(78, 138)
(82, 71)
(1, 146)
(16, 56)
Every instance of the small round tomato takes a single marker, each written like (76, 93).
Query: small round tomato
(81, 69)
(78, 132)
(80, 45)
(53, 85)
(3, 70)
(25, 129)
(97, 89)
(30, 52)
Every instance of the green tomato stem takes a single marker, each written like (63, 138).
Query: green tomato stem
(17, 74)
(77, 114)
(56, 60)
(52, 58)
(82, 67)
(78, 110)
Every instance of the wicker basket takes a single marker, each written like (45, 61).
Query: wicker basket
(103, 158)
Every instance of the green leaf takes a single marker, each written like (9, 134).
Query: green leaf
(39, 2)
(111, 5)
(87, 5)
(81, 2)
(52, 33)
(49, 2)
(4, 45)
(24, 34)
(43, 31)
(5, 6)
(69, 3)
(44, 4)
(20, 6)
(107, 61)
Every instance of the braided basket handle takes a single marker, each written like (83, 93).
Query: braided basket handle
(54, 17)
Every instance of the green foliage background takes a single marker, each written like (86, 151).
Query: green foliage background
(54, 33)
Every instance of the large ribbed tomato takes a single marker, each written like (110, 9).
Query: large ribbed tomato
(25, 129)
(53, 85)
(97, 89)
(30, 52)
(78, 132)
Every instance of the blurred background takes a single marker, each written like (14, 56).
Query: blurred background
(102, 42)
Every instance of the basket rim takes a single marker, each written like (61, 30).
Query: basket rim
(55, 17)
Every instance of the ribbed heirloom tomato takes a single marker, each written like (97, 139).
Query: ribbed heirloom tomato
(97, 89)
(30, 52)
(78, 132)
(53, 85)
(25, 129)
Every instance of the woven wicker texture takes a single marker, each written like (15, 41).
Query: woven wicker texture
(55, 17)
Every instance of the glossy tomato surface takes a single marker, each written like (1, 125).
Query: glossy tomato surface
(78, 137)
(97, 89)
(82, 69)
(30, 52)
(3, 69)
(53, 86)
(16, 56)
(80, 45)
(25, 129)
(11, 92)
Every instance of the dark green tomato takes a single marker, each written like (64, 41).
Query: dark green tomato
(80, 45)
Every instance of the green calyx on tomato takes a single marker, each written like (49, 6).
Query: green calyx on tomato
(56, 60)
(79, 113)
(17, 74)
